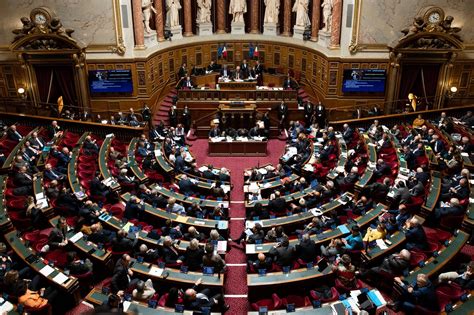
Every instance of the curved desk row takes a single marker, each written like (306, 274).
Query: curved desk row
(11, 157)
(5, 223)
(341, 163)
(372, 152)
(72, 169)
(132, 163)
(103, 158)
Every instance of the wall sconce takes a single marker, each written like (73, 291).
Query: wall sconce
(22, 93)
(452, 92)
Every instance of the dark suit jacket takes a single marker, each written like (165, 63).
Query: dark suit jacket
(283, 256)
(15, 136)
(182, 72)
(277, 205)
(282, 111)
(169, 255)
(307, 250)
(120, 278)
(416, 238)
(394, 265)
(49, 174)
(179, 164)
(55, 237)
(193, 258)
(20, 179)
(214, 132)
(123, 244)
(186, 186)
(133, 210)
(425, 296)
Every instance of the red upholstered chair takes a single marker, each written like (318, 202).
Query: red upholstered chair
(437, 235)
(17, 204)
(334, 296)
(451, 290)
(19, 220)
(297, 300)
(163, 301)
(58, 256)
(416, 257)
(272, 304)
(340, 287)
(451, 222)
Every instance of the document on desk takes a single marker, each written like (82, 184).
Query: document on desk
(157, 152)
(76, 237)
(46, 270)
(381, 244)
(221, 246)
(60, 278)
(155, 271)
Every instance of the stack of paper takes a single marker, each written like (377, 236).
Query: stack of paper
(155, 271)
(60, 278)
(76, 237)
(46, 270)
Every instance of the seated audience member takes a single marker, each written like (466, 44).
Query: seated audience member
(345, 273)
(77, 266)
(186, 186)
(148, 255)
(361, 206)
(214, 236)
(89, 213)
(262, 262)
(212, 259)
(13, 284)
(51, 174)
(37, 142)
(450, 209)
(124, 179)
(198, 301)
(420, 293)
(100, 235)
(283, 253)
(170, 253)
(375, 234)
(253, 236)
(174, 207)
(381, 169)
(277, 203)
(193, 256)
(193, 233)
(394, 265)
(122, 275)
(187, 83)
(467, 119)
(144, 290)
(466, 146)
(306, 249)
(37, 297)
(122, 243)
(134, 208)
(350, 179)
(415, 235)
(275, 234)
(258, 211)
(353, 241)
(464, 276)
(90, 145)
(460, 191)
(418, 122)
(57, 237)
(13, 134)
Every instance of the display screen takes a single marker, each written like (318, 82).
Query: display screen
(110, 81)
(364, 81)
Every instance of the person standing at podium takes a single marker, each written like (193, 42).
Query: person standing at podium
(182, 72)
(214, 132)
(212, 67)
(244, 67)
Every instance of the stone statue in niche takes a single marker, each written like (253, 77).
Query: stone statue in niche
(25, 29)
(237, 8)
(204, 11)
(301, 9)
(327, 15)
(147, 7)
(272, 10)
(172, 13)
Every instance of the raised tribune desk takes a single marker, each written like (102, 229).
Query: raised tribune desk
(238, 148)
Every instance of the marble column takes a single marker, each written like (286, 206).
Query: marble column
(336, 24)
(160, 31)
(315, 20)
(138, 27)
(188, 19)
(254, 14)
(287, 18)
(221, 14)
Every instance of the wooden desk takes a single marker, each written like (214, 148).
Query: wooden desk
(273, 79)
(70, 285)
(256, 281)
(367, 176)
(38, 188)
(433, 195)
(238, 148)
(5, 223)
(239, 109)
(161, 159)
(211, 96)
(205, 79)
(11, 157)
(342, 160)
(72, 168)
(103, 158)
(132, 163)
(198, 223)
(375, 253)
(236, 86)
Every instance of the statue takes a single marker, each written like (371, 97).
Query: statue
(301, 9)
(447, 28)
(417, 26)
(57, 27)
(147, 7)
(237, 8)
(272, 10)
(327, 15)
(27, 26)
(172, 13)
(204, 11)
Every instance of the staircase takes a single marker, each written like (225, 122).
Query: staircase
(166, 103)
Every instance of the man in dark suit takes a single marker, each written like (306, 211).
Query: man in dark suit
(89, 213)
(57, 236)
(53, 129)
(122, 243)
(122, 275)
(124, 179)
(179, 164)
(415, 235)
(13, 134)
(289, 83)
(262, 262)
(52, 174)
(379, 190)
(187, 83)
(437, 145)
(173, 116)
(347, 133)
(418, 189)
(419, 293)
(225, 73)
(214, 132)
(409, 157)
(90, 145)
(244, 67)
(22, 178)
(198, 301)
(282, 114)
(37, 142)
(283, 253)
(63, 158)
(320, 115)
(212, 66)
(466, 146)
(134, 208)
(278, 204)
(308, 113)
(349, 179)
(453, 208)
(381, 169)
(98, 188)
(259, 69)
(186, 186)
(307, 250)
(170, 253)
(393, 265)
(182, 72)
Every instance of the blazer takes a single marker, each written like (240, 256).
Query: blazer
(307, 250)
(120, 279)
(283, 256)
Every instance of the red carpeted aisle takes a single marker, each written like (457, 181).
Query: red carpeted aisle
(236, 283)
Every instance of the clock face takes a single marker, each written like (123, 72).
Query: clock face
(40, 19)
(434, 17)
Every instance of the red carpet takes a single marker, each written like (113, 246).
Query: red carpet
(235, 283)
